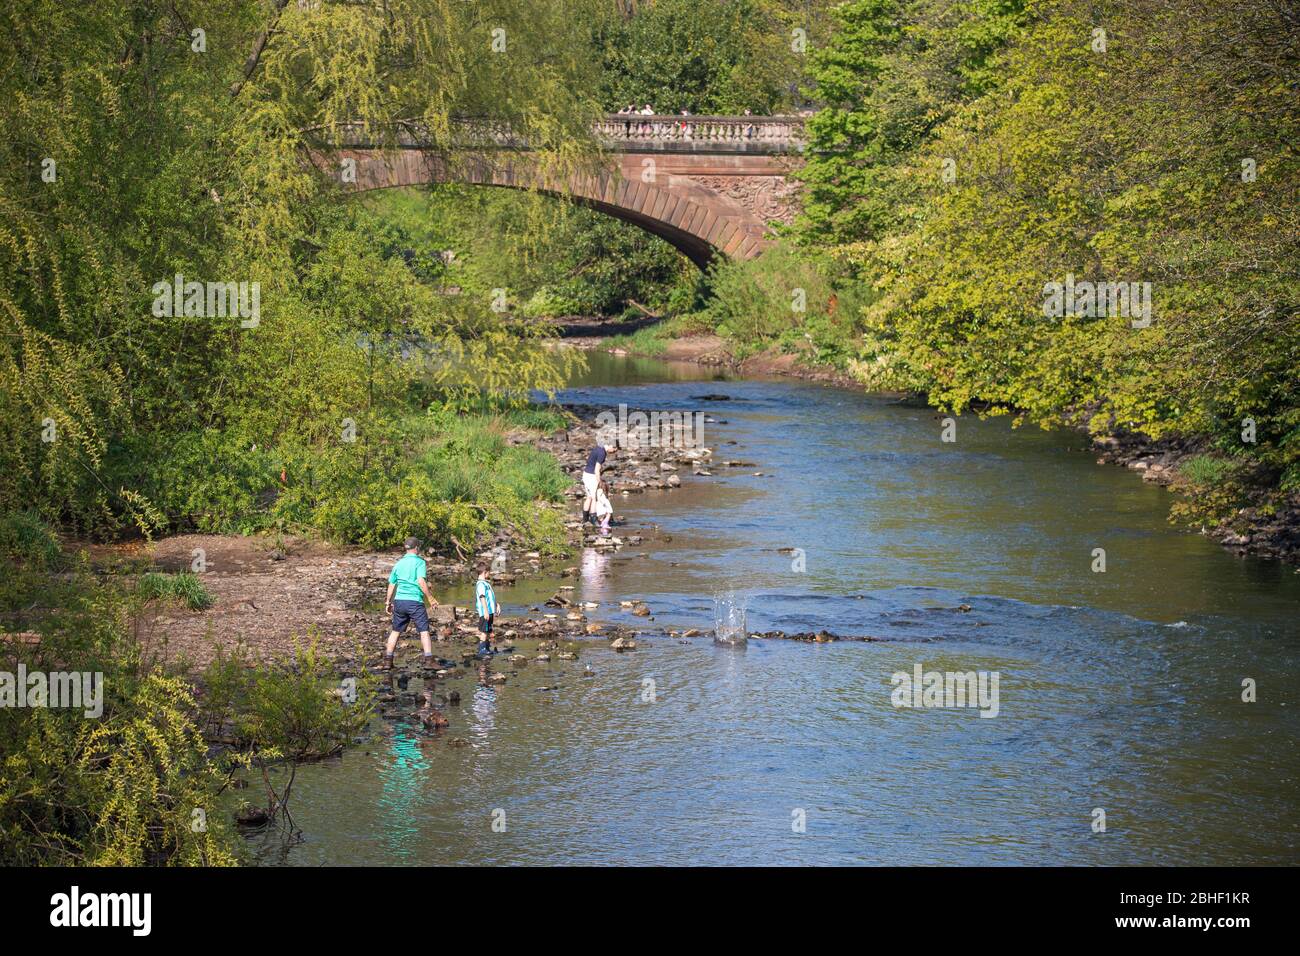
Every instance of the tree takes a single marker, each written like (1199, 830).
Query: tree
(146, 141)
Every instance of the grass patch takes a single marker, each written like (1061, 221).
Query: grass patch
(1207, 471)
(184, 588)
(448, 475)
(537, 418)
(651, 340)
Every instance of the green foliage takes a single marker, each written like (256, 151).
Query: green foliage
(453, 479)
(26, 540)
(171, 162)
(651, 340)
(118, 789)
(589, 263)
(184, 588)
(891, 74)
(603, 264)
(1207, 470)
(705, 56)
(293, 709)
(1117, 166)
(136, 784)
(541, 419)
(280, 714)
(784, 299)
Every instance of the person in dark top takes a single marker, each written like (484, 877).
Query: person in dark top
(591, 481)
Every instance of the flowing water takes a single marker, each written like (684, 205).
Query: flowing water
(1118, 691)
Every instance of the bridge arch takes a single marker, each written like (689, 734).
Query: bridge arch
(705, 185)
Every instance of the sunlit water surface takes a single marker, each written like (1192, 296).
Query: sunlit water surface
(1119, 691)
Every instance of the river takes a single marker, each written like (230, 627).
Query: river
(1120, 692)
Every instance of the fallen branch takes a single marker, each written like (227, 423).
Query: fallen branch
(643, 309)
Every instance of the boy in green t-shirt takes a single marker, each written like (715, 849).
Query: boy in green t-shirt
(407, 592)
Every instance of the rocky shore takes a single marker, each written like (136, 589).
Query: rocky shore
(270, 593)
(1267, 526)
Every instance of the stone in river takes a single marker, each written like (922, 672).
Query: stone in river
(252, 817)
(433, 720)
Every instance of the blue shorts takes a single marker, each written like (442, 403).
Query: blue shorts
(412, 611)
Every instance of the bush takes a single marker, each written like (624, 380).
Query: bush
(380, 514)
(211, 481)
(283, 713)
(129, 787)
(783, 299)
(445, 475)
(25, 539)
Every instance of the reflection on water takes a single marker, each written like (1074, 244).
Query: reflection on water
(400, 785)
(1119, 690)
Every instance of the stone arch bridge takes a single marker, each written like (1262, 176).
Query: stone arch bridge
(705, 184)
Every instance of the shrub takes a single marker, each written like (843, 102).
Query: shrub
(127, 788)
(783, 298)
(26, 539)
(283, 713)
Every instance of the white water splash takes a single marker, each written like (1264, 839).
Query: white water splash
(729, 612)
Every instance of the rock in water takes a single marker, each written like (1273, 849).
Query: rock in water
(433, 719)
(252, 817)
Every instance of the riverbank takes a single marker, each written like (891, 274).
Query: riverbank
(1259, 522)
(708, 350)
(268, 592)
